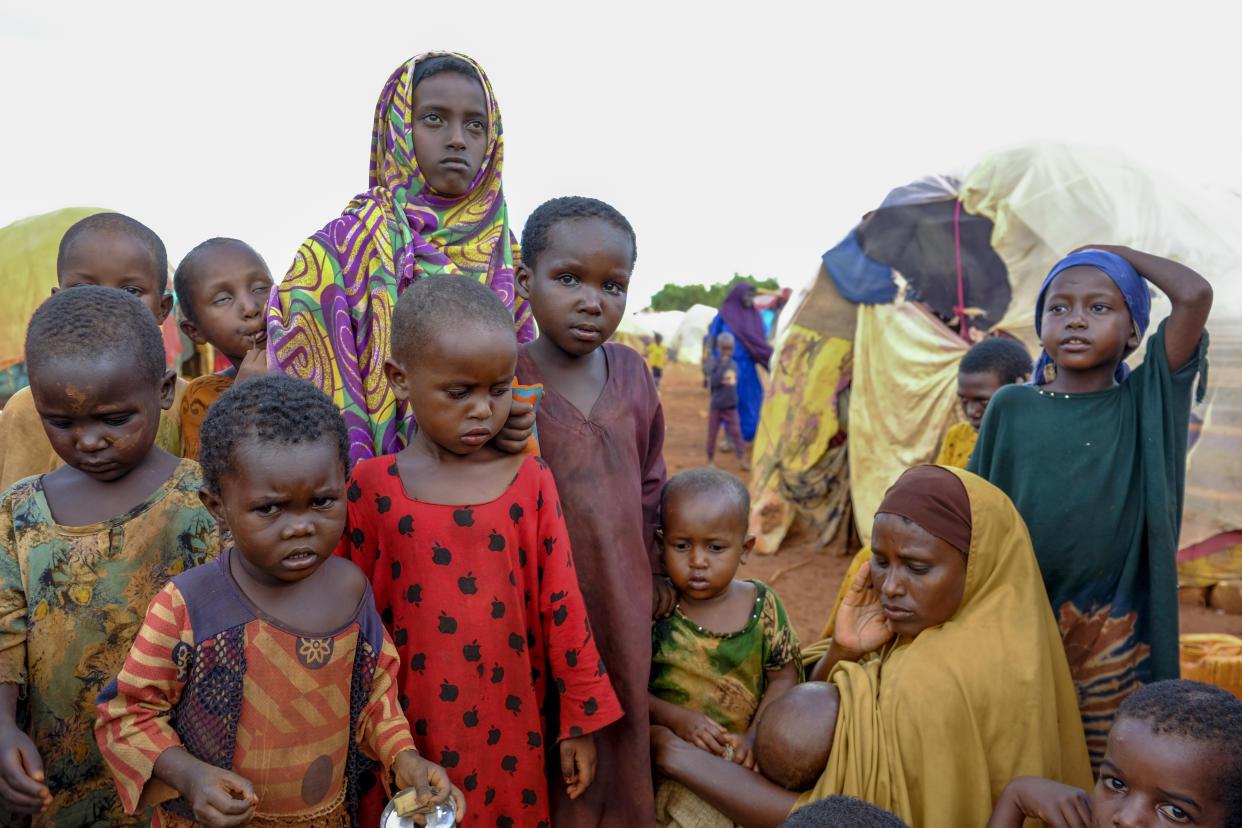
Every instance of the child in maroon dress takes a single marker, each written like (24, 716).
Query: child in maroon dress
(467, 553)
(601, 430)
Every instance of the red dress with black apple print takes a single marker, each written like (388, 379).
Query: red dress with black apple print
(481, 601)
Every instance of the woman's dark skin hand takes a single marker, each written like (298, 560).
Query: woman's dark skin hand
(860, 628)
(742, 795)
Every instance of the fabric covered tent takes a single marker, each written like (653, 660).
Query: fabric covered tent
(632, 332)
(687, 342)
(893, 288)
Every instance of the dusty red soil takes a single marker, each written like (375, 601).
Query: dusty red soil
(806, 577)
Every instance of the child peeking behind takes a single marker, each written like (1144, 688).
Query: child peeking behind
(85, 547)
(728, 650)
(722, 378)
(1172, 758)
(108, 250)
(222, 286)
(988, 366)
(260, 682)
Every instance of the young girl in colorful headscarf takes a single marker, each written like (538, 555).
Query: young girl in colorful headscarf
(1094, 457)
(434, 205)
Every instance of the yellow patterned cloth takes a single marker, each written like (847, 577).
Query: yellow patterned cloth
(328, 321)
(936, 726)
(957, 446)
(72, 599)
(199, 396)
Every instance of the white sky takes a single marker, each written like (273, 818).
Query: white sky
(735, 137)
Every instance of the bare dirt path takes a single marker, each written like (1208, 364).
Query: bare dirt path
(806, 578)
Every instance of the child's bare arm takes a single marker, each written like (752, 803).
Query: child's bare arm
(778, 681)
(578, 763)
(220, 798)
(1060, 806)
(1190, 294)
(699, 730)
(21, 767)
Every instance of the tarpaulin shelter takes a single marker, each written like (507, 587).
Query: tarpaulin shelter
(864, 384)
(687, 342)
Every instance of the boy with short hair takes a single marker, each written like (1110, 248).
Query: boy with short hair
(223, 286)
(722, 379)
(1172, 757)
(109, 250)
(988, 366)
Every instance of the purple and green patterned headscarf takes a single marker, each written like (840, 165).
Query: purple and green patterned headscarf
(328, 321)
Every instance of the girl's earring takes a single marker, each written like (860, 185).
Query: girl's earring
(1050, 372)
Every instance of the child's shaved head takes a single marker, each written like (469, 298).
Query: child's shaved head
(435, 304)
(842, 812)
(1198, 712)
(794, 735)
(709, 481)
(189, 269)
(121, 225)
(86, 322)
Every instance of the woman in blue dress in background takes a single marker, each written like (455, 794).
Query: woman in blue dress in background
(739, 316)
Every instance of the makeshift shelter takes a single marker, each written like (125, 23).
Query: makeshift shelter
(687, 342)
(864, 384)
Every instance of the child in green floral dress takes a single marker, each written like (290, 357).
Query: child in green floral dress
(85, 547)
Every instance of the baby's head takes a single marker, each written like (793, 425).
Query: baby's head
(97, 377)
(454, 352)
(794, 734)
(842, 812)
(275, 458)
(223, 286)
(577, 257)
(1174, 755)
(115, 251)
(704, 514)
(995, 362)
(451, 125)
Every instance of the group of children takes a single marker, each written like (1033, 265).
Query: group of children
(275, 637)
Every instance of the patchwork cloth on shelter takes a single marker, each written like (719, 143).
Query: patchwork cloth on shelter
(1098, 477)
(212, 673)
(1006, 711)
(72, 599)
(329, 319)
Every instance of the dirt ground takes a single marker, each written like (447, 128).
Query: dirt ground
(806, 577)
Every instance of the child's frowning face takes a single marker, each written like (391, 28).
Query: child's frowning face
(577, 288)
(100, 415)
(231, 286)
(704, 540)
(974, 392)
(460, 387)
(1149, 779)
(450, 131)
(919, 577)
(1085, 322)
(284, 504)
(116, 260)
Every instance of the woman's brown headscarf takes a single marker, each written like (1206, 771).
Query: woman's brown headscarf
(935, 499)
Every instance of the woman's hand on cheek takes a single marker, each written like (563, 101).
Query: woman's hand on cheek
(517, 429)
(861, 626)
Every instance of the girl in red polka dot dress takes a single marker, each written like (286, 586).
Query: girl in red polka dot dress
(468, 557)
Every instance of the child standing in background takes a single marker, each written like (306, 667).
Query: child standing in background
(259, 679)
(722, 379)
(728, 650)
(223, 287)
(466, 549)
(601, 429)
(109, 250)
(988, 365)
(656, 352)
(1094, 458)
(85, 547)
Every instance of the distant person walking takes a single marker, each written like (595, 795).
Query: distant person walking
(656, 353)
(739, 317)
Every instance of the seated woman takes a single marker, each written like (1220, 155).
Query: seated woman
(950, 669)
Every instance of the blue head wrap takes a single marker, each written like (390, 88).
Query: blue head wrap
(1133, 288)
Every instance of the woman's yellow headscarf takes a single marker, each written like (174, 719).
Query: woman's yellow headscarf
(936, 727)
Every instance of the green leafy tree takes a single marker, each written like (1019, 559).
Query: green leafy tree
(681, 297)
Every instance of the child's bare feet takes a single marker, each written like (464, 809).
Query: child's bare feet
(745, 463)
